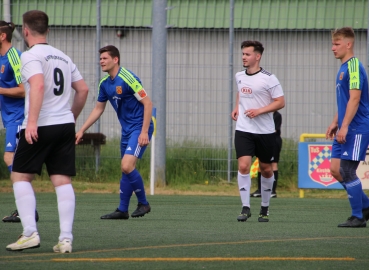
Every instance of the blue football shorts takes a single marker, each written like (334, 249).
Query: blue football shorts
(353, 149)
(11, 138)
(129, 144)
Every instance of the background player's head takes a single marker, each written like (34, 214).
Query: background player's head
(6, 32)
(252, 51)
(343, 42)
(35, 24)
(109, 58)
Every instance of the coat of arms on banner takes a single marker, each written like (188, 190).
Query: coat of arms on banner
(319, 163)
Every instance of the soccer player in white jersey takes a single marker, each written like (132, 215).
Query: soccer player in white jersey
(48, 134)
(259, 95)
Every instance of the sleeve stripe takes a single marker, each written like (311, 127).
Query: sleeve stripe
(15, 62)
(125, 73)
(130, 80)
(101, 81)
(354, 74)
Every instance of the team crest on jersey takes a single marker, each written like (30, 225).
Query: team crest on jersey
(341, 75)
(246, 90)
(2, 68)
(118, 89)
(142, 93)
(319, 163)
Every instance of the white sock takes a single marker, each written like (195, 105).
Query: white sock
(244, 184)
(66, 206)
(266, 190)
(26, 205)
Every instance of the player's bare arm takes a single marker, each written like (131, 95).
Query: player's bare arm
(92, 118)
(277, 104)
(332, 129)
(143, 139)
(80, 97)
(351, 109)
(14, 92)
(234, 113)
(36, 97)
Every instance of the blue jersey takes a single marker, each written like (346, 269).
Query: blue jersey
(12, 109)
(352, 75)
(124, 93)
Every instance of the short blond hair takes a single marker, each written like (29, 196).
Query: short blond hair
(344, 32)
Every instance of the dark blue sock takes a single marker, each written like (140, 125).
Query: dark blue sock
(364, 197)
(354, 191)
(125, 193)
(137, 185)
(10, 168)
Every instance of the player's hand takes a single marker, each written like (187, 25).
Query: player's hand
(79, 136)
(331, 131)
(143, 139)
(341, 135)
(234, 114)
(31, 134)
(251, 113)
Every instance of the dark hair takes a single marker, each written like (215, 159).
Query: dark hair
(258, 47)
(112, 51)
(37, 21)
(345, 32)
(8, 29)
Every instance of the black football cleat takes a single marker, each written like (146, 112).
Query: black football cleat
(142, 209)
(116, 215)
(353, 222)
(245, 214)
(14, 217)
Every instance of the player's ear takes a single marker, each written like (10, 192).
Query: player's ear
(116, 60)
(258, 56)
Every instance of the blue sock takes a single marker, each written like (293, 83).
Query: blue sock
(10, 168)
(137, 185)
(125, 193)
(354, 191)
(364, 198)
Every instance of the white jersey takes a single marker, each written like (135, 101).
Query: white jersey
(59, 72)
(256, 91)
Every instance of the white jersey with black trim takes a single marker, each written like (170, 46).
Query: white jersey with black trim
(59, 72)
(256, 91)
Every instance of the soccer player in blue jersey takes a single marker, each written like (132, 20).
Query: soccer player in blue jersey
(11, 90)
(11, 97)
(349, 129)
(133, 107)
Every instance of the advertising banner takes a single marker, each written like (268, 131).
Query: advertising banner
(314, 163)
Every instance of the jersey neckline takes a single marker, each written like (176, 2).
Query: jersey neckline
(37, 44)
(252, 74)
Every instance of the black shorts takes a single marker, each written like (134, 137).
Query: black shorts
(277, 148)
(259, 145)
(55, 147)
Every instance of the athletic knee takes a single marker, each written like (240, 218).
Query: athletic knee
(243, 169)
(266, 171)
(348, 170)
(336, 173)
(8, 158)
(267, 174)
(127, 168)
